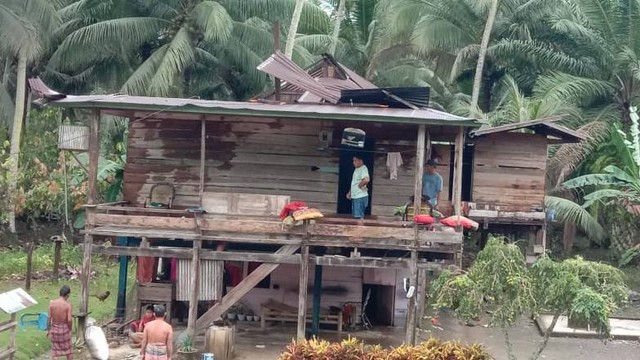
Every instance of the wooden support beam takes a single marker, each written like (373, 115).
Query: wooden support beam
(457, 174)
(302, 292)
(94, 155)
(121, 302)
(242, 289)
(203, 147)
(417, 204)
(185, 253)
(195, 289)
(422, 294)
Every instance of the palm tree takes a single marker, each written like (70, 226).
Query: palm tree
(593, 48)
(183, 48)
(462, 36)
(482, 53)
(27, 26)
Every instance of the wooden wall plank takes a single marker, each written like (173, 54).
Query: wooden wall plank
(509, 171)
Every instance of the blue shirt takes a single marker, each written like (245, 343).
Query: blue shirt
(431, 186)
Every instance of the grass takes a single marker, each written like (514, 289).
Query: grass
(32, 343)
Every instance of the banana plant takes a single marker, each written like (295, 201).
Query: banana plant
(618, 182)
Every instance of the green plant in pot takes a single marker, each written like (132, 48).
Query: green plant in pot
(186, 349)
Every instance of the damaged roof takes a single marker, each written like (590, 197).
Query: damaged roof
(115, 103)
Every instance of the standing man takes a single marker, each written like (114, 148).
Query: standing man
(60, 325)
(157, 342)
(431, 183)
(358, 194)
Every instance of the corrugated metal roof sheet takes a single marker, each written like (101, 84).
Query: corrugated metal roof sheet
(296, 111)
(210, 280)
(283, 68)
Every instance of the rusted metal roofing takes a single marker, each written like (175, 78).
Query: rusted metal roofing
(544, 126)
(283, 68)
(210, 280)
(112, 103)
(317, 71)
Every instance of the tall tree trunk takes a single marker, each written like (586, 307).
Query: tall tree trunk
(293, 28)
(14, 155)
(336, 27)
(568, 235)
(486, 36)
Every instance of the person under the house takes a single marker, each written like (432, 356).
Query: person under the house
(137, 327)
(59, 327)
(431, 183)
(157, 342)
(358, 194)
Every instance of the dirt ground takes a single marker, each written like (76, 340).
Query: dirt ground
(253, 344)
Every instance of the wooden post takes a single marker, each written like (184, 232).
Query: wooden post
(203, 144)
(276, 47)
(56, 259)
(29, 272)
(417, 203)
(12, 336)
(85, 275)
(121, 304)
(457, 175)
(428, 151)
(195, 288)
(417, 189)
(422, 294)
(302, 293)
(317, 292)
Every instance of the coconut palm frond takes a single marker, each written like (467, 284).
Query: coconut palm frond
(567, 210)
(569, 88)
(568, 156)
(140, 81)
(180, 55)
(17, 33)
(105, 37)
(6, 108)
(213, 20)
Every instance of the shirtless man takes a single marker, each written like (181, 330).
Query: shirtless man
(60, 325)
(157, 342)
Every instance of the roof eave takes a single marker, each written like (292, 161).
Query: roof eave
(190, 109)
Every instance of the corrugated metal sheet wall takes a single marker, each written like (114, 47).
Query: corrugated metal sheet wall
(210, 280)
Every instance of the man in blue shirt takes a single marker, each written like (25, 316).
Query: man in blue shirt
(431, 183)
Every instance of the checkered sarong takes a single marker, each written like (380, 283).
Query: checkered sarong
(60, 340)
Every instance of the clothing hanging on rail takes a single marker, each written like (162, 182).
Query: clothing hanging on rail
(394, 161)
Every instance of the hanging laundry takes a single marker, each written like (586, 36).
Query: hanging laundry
(394, 161)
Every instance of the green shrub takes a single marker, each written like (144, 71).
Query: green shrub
(353, 349)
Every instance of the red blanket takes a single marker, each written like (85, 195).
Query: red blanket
(291, 207)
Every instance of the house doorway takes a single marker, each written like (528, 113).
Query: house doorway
(346, 172)
(380, 303)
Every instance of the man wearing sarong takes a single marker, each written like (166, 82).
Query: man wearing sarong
(137, 327)
(60, 325)
(157, 342)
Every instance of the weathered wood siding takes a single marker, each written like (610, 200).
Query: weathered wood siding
(264, 156)
(509, 171)
(243, 155)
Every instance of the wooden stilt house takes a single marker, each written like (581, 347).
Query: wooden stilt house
(205, 182)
